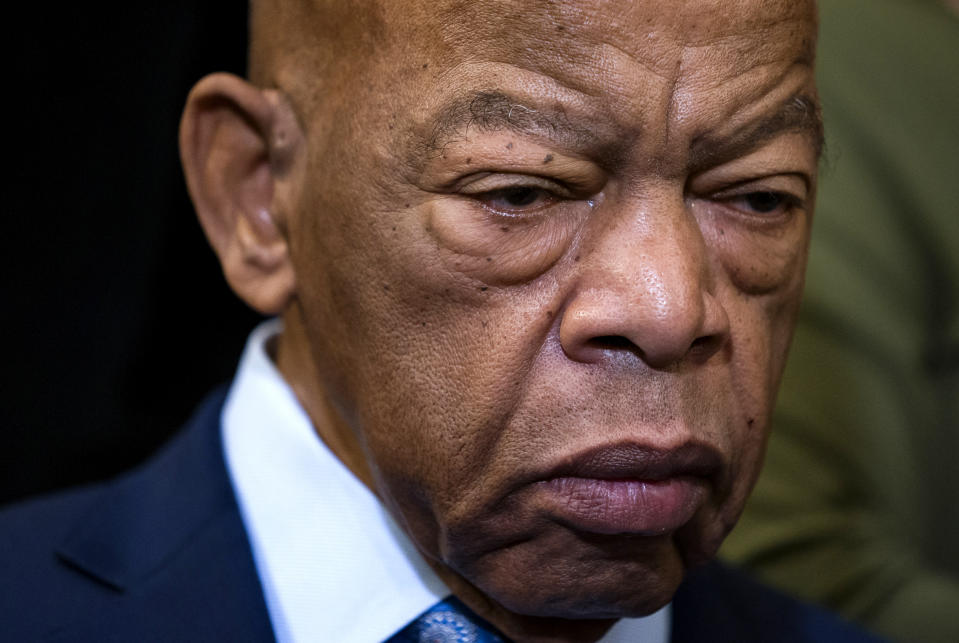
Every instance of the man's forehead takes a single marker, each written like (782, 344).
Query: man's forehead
(613, 63)
(443, 63)
(696, 20)
(627, 23)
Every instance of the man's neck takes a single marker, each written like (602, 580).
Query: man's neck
(295, 359)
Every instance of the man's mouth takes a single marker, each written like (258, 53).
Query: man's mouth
(630, 489)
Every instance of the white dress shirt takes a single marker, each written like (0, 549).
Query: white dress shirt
(333, 564)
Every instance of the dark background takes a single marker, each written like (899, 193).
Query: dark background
(116, 319)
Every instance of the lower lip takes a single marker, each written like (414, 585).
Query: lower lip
(636, 507)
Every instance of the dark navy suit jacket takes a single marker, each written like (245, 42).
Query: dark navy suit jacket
(161, 554)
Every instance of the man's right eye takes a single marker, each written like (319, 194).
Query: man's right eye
(516, 200)
(520, 199)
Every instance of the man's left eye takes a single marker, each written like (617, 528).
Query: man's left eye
(761, 202)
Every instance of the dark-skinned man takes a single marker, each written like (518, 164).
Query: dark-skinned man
(535, 267)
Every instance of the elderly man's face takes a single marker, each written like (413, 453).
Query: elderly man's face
(547, 259)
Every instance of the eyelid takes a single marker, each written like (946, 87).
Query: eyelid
(791, 185)
(493, 182)
(783, 165)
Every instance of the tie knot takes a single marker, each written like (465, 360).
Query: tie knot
(449, 621)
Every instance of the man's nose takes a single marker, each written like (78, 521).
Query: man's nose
(645, 287)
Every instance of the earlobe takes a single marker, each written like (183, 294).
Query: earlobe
(236, 144)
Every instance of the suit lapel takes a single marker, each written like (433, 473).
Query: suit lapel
(718, 603)
(168, 541)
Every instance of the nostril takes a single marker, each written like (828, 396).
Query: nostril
(700, 343)
(704, 346)
(700, 349)
(612, 342)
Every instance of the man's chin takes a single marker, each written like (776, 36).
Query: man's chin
(583, 585)
(597, 608)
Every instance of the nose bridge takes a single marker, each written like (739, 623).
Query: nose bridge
(645, 279)
(664, 264)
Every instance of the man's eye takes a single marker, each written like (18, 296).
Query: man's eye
(763, 202)
(518, 199)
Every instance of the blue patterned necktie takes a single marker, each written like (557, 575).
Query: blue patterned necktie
(449, 621)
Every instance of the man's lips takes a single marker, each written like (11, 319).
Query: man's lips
(630, 488)
(639, 462)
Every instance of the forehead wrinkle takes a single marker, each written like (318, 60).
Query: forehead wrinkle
(494, 110)
(800, 113)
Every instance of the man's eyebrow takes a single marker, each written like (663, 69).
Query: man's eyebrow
(799, 114)
(494, 111)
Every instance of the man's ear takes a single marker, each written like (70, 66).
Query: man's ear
(237, 143)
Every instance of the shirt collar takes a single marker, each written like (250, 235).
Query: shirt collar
(333, 563)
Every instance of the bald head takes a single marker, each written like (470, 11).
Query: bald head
(288, 36)
(312, 34)
(368, 58)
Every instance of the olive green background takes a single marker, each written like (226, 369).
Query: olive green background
(858, 506)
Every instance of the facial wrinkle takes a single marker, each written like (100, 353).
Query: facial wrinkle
(672, 103)
(800, 113)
